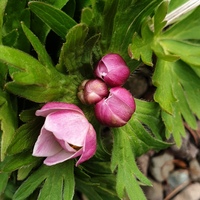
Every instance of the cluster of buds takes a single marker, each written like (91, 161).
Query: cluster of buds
(114, 105)
(61, 139)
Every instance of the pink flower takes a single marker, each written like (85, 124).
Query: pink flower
(113, 70)
(117, 109)
(92, 91)
(66, 134)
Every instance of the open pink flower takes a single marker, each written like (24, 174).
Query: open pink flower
(116, 109)
(66, 134)
(113, 70)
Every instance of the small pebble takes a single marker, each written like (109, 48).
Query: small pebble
(194, 170)
(187, 151)
(191, 192)
(161, 166)
(178, 177)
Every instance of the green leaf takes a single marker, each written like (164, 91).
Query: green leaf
(142, 132)
(127, 171)
(12, 163)
(24, 171)
(148, 113)
(174, 125)
(70, 56)
(161, 52)
(28, 115)
(3, 4)
(39, 27)
(159, 16)
(140, 48)
(189, 81)
(3, 74)
(99, 183)
(182, 100)
(190, 27)
(56, 3)
(11, 30)
(11, 38)
(141, 137)
(112, 19)
(8, 121)
(134, 139)
(3, 183)
(126, 26)
(87, 16)
(58, 183)
(57, 20)
(88, 190)
(190, 53)
(25, 136)
(36, 82)
(183, 106)
(75, 60)
(162, 79)
(43, 56)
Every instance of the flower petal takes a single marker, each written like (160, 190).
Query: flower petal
(89, 147)
(113, 60)
(101, 71)
(61, 157)
(71, 127)
(106, 116)
(55, 106)
(125, 96)
(113, 70)
(66, 146)
(46, 144)
(114, 78)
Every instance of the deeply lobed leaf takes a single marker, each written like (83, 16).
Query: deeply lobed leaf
(48, 85)
(183, 93)
(58, 182)
(133, 140)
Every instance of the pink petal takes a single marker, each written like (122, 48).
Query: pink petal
(95, 90)
(46, 144)
(71, 127)
(120, 108)
(113, 70)
(125, 96)
(66, 146)
(54, 106)
(101, 70)
(113, 60)
(89, 147)
(117, 76)
(61, 157)
(106, 116)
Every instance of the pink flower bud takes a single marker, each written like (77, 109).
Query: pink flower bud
(117, 109)
(66, 134)
(95, 90)
(113, 70)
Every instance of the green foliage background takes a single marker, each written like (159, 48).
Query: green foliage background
(48, 47)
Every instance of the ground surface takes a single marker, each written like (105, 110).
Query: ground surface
(175, 172)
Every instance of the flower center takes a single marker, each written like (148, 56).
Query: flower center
(74, 147)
